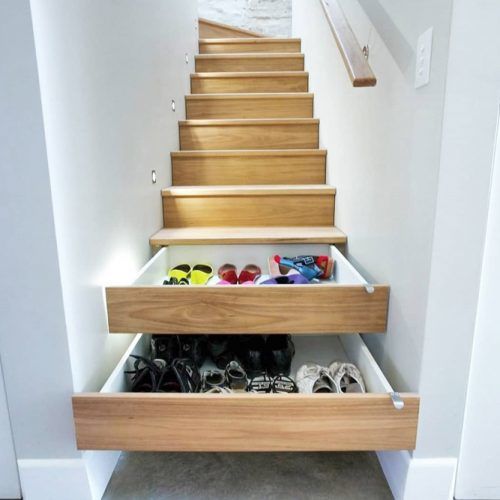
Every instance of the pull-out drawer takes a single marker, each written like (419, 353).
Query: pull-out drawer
(344, 304)
(378, 420)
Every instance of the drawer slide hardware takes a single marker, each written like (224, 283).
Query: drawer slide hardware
(369, 289)
(397, 400)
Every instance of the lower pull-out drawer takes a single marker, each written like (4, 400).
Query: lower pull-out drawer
(378, 420)
(344, 304)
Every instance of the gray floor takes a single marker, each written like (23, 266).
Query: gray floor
(248, 476)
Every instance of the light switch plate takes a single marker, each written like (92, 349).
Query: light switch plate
(423, 59)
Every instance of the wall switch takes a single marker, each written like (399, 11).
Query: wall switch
(423, 57)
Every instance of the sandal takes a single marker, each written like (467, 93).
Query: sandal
(236, 376)
(178, 275)
(347, 377)
(304, 265)
(291, 279)
(249, 274)
(201, 273)
(227, 274)
(261, 383)
(284, 385)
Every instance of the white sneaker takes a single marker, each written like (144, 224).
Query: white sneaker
(313, 378)
(347, 377)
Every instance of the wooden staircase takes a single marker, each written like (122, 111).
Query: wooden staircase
(249, 156)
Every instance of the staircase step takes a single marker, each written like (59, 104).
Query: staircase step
(194, 206)
(242, 45)
(254, 82)
(284, 133)
(247, 235)
(206, 63)
(207, 106)
(213, 29)
(301, 166)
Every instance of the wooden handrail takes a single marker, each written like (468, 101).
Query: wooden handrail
(357, 66)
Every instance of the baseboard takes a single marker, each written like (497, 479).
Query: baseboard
(415, 478)
(59, 479)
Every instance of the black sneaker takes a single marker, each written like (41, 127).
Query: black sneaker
(193, 347)
(165, 347)
(187, 375)
(279, 353)
(236, 376)
(222, 349)
(251, 352)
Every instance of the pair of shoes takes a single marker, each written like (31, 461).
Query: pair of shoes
(337, 378)
(311, 267)
(183, 274)
(170, 347)
(156, 375)
(229, 276)
(289, 279)
(265, 384)
(272, 355)
(233, 378)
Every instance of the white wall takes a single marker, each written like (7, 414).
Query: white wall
(108, 72)
(477, 475)
(383, 156)
(270, 17)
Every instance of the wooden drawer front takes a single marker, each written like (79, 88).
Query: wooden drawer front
(212, 83)
(226, 46)
(237, 106)
(207, 63)
(244, 422)
(116, 420)
(345, 305)
(285, 133)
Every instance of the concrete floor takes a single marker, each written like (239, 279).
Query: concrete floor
(248, 476)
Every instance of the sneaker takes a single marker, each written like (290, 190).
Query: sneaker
(187, 373)
(347, 377)
(221, 350)
(212, 379)
(261, 383)
(313, 378)
(165, 347)
(278, 355)
(236, 376)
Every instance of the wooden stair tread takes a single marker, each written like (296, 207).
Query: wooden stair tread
(247, 235)
(246, 190)
(251, 55)
(247, 74)
(248, 152)
(247, 40)
(249, 121)
(256, 95)
(214, 27)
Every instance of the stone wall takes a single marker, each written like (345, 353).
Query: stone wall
(270, 17)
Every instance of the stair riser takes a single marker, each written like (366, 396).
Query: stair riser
(249, 84)
(237, 170)
(255, 107)
(271, 210)
(281, 136)
(292, 46)
(250, 63)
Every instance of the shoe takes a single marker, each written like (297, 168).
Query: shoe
(250, 349)
(146, 374)
(201, 273)
(289, 279)
(312, 378)
(304, 265)
(227, 274)
(193, 347)
(219, 390)
(261, 383)
(178, 275)
(347, 377)
(236, 376)
(249, 274)
(212, 379)
(167, 347)
(276, 271)
(221, 349)
(278, 354)
(284, 385)
(187, 375)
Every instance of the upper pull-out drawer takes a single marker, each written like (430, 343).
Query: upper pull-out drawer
(378, 420)
(344, 304)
